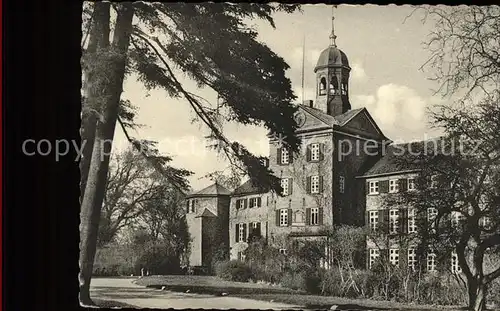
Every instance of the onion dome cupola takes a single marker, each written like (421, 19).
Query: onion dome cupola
(332, 78)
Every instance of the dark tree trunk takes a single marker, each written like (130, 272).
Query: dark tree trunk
(477, 294)
(114, 59)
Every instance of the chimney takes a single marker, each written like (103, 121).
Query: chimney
(308, 103)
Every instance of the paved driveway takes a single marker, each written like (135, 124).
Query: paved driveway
(124, 291)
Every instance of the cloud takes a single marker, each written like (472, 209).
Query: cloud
(357, 71)
(309, 93)
(398, 110)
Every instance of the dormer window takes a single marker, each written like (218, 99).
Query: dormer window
(322, 86)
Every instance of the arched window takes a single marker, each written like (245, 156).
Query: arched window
(334, 85)
(343, 88)
(322, 86)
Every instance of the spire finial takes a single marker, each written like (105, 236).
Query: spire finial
(332, 35)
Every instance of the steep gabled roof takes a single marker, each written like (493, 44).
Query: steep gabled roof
(392, 161)
(213, 190)
(249, 187)
(325, 118)
(347, 116)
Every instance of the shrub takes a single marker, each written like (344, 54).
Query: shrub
(233, 270)
(331, 283)
(293, 281)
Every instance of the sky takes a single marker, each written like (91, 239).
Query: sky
(385, 52)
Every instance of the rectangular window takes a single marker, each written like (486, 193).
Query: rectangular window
(374, 255)
(314, 216)
(373, 187)
(285, 156)
(411, 184)
(314, 184)
(341, 184)
(434, 181)
(412, 226)
(193, 206)
(393, 221)
(456, 218)
(431, 262)
(412, 258)
(393, 186)
(242, 204)
(373, 220)
(255, 225)
(283, 217)
(241, 232)
(485, 222)
(394, 256)
(284, 185)
(455, 267)
(283, 251)
(254, 202)
(314, 152)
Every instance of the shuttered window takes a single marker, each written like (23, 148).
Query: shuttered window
(394, 256)
(283, 217)
(393, 221)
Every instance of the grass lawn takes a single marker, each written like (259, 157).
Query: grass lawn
(264, 292)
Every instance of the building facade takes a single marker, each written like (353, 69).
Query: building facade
(343, 174)
(207, 218)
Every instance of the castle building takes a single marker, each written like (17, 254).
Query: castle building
(341, 175)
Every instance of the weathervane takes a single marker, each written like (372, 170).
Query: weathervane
(332, 35)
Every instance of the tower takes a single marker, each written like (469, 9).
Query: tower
(332, 78)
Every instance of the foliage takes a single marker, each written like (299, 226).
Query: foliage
(459, 178)
(233, 270)
(135, 191)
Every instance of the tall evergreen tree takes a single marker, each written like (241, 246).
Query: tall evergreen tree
(208, 42)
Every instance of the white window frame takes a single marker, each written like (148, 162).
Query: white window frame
(315, 184)
(456, 218)
(394, 256)
(285, 156)
(241, 232)
(455, 266)
(431, 262)
(284, 217)
(255, 224)
(341, 184)
(412, 225)
(255, 202)
(393, 186)
(315, 152)
(412, 258)
(242, 203)
(434, 181)
(432, 215)
(374, 255)
(314, 216)
(393, 221)
(373, 219)
(285, 185)
(283, 251)
(373, 187)
(411, 184)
